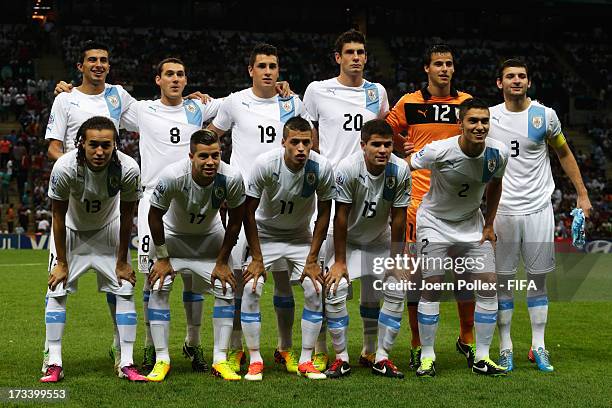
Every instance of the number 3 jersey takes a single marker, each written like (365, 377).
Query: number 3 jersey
(191, 208)
(371, 197)
(256, 123)
(93, 195)
(528, 183)
(165, 132)
(341, 112)
(288, 199)
(458, 181)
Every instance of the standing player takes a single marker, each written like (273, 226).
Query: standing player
(188, 236)
(525, 220)
(372, 185)
(417, 119)
(283, 188)
(94, 191)
(450, 225)
(256, 117)
(340, 106)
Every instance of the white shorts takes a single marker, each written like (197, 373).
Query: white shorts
(241, 255)
(197, 255)
(291, 253)
(145, 241)
(453, 245)
(531, 236)
(96, 250)
(359, 258)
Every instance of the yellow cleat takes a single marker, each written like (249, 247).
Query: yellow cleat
(235, 359)
(320, 360)
(222, 369)
(159, 372)
(288, 359)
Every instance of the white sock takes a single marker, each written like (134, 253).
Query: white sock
(485, 319)
(337, 322)
(505, 309)
(55, 319)
(193, 304)
(537, 305)
(250, 317)
(284, 306)
(223, 316)
(428, 314)
(126, 325)
(146, 294)
(389, 321)
(111, 301)
(369, 316)
(312, 317)
(159, 318)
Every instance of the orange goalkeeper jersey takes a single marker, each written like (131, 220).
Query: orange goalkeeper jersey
(424, 118)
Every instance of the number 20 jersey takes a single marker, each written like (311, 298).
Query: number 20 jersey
(165, 132)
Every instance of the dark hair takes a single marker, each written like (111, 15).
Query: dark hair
(95, 123)
(375, 127)
(262, 49)
(349, 36)
(161, 63)
(512, 62)
(203, 136)
(92, 45)
(296, 123)
(436, 49)
(472, 103)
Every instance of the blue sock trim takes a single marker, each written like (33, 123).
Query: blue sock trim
(505, 304)
(390, 321)
(127, 319)
(55, 317)
(311, 316)
(250, 317)
(337, 322)
(192, 297)
(369, 312)
(487, 318)
(537, 301)
(223, 312)
(284, 302)
(427, 319)
(160, 315)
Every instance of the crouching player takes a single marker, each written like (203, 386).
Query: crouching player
(283, 188)
(372, 185)
(450, 226)
(94, 190)
(189, 237)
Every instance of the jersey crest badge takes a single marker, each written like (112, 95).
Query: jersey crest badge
(372, 95)
(54, 180)
(491, 165)
(311, 178)
(191, 108)
(113, 100)
(390, 182)
(220, 192)
(340, 179)
(537, 121)
(286, 106)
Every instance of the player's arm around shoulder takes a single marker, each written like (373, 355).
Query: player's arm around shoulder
(59, 273)
(131, 192)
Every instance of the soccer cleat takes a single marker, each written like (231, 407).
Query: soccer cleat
(159, 372)
(45, 363)
(542, 358)
(288, 358)
(196, 355)
(415, 357)
(427, 368)
(255, 371)
(468, 350)
(148, 359)
(115, 354)
(53, 374)
(339, 368)
(235, 359)
(486, 366)
(367, 360)
(223, 370)
(320, 360)
(131, 374)
(308, 370)
(506, 359)
(387, 369)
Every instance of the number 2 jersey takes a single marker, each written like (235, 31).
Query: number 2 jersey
(93, 195)
(341, 112)
(165, 132)
(371, 197)
(457, 180)
(528, 183)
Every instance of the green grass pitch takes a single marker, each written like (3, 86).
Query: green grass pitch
(579, 336)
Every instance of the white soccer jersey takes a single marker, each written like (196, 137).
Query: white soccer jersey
(457, 180)
(191, 208)
(165, 132)
(341, 112)
(256, 123)
(528, 183)
(71, 109)
(287, 199)
(371, 196)
(93, 196)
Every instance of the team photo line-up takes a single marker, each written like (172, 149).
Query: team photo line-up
(316, 192)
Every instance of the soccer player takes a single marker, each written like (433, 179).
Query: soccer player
(340, 106)
(283, 188)
(417, 119)
(256, 116)
(525, 219)
(450, 225)
(94, 190)
(373, 185)
(188, 236)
